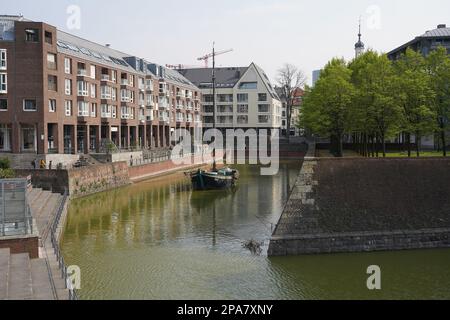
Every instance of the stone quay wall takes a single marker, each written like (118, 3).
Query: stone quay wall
(80, 182)
(359, 205)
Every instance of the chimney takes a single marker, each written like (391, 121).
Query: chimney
(442, 26)
(108, 45)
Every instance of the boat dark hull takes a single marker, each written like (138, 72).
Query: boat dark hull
(205, 181)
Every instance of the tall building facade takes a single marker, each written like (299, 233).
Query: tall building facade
(245, 98)
(60, 94)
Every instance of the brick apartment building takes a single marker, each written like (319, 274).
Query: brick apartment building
(63, 95)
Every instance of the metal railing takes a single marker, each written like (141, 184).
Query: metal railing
(59, 257)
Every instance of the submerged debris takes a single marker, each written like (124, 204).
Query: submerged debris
(254, 246)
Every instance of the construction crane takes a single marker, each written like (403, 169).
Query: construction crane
(181, 66)
(212, 55)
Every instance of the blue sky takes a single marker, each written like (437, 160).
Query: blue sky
(268, 32)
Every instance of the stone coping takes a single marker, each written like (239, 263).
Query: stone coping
(360, 234)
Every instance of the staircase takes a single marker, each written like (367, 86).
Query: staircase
(22, 278)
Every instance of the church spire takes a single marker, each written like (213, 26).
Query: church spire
(359, 46)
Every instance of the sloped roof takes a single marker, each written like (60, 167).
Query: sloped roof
(91, 51)
(437, 33)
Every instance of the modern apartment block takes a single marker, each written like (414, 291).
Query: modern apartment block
(60, 94)
(425, 43)
(245, 98)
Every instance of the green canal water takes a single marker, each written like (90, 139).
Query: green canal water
(160, 240)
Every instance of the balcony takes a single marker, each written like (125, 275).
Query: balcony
(150, 104)
(82, 73)
(124, 82)
(180, 107)
(164, 119)
(163, 105)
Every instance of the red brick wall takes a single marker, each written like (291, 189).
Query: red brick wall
(25, 245)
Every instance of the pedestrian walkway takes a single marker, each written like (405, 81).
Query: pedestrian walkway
(22, 278)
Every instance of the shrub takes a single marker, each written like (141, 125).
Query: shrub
(5, 163)
(7, 173)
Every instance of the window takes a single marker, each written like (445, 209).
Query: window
(51, 61)
(68, 87)
(263, 119)
(28, 137)
(113, 94)
(81, 69)
(3, 59)
(48, 37)
(131, 79)
(83, 90)
(263, 108)
(93, 110)
(51, 105)
(114, 112)
(32, 35)
(52, 83)
(106, 111)
(105, 92)
(113, 76)
(68, 66)
(225, 109)
(68, 107)
(248, 85)
(262, 97)
(242, 119)
(83, 109)
(5, 137)
(29, 105)
(3, 83)
(242, 97)
(208, 98)
(93, 90)
(225, 98)
(242, 108)
(93, 72)
(208, 109)
(3, 105)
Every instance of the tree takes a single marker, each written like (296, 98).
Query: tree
(416, 97)
(289, 79)
(376, 112)
(438, 65)
(326, 107)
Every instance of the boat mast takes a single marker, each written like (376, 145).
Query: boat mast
(214, 102)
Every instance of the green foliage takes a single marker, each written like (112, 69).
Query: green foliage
(7, 173)
(5, 163)
(375, 97)
(415, 93)
(326, 107)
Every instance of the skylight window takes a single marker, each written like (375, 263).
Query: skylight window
(62, 45)
(85, 51)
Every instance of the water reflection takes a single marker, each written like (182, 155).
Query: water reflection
(160, 240)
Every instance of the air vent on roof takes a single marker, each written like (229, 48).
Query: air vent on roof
(442, 26)
(107, 45)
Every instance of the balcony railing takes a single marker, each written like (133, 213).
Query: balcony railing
(82, 72)
(124, 82)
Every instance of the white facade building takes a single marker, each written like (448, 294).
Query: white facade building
(245, 98)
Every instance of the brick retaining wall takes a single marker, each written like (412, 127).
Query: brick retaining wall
(357, 204)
